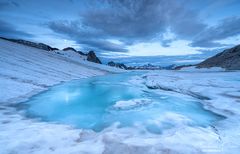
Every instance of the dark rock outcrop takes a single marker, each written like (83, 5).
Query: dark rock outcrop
(32, 44)
(91, 56)
(55, 49)
(69, 48)
(228, 59)
(118, 65)
(72, 49)
(182, 66)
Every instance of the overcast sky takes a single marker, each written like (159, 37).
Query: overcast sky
(125, 27)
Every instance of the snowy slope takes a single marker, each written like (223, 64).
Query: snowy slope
(26, 70)
(82, 59)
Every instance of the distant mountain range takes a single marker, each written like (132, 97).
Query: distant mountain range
(229, 59)
(142, 67)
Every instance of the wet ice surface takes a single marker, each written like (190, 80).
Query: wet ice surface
(37, 134)
(100, 102)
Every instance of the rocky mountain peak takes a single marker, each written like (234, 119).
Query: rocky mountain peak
(91, 56)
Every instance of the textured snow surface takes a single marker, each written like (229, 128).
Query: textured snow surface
(219, 91)
(131, 103)
(25, 71)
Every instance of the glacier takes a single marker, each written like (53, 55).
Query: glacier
(28, 72)
(99, 102)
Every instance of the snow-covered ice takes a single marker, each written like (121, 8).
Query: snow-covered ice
(131, 103)
(26, 71)
(218, 91)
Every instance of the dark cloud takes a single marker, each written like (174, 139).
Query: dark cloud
(7, 4)
(103, 45)
(4, 5)
(130, 22)
(73, 29)
(90, 38)
(9, 31)
(16, 4)
(226, 28)
(166, 42)
(94, 23)
(141, 20)
(186, 24)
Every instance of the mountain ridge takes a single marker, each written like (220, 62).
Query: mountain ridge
(90, 56)
(228, 59)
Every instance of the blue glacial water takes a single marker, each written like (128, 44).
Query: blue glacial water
(93, 103)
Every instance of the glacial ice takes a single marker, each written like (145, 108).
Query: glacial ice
(21, 134)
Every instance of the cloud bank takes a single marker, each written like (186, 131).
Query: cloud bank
(116, 25)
